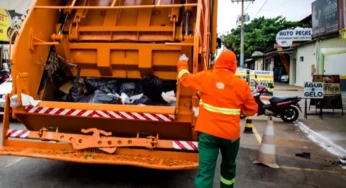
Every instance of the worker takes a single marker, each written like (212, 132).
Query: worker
(224, 97)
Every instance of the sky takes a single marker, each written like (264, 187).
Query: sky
(293, 10)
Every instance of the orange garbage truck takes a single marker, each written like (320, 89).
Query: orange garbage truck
(107, 39)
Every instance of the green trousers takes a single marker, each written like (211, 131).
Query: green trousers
(208, 149)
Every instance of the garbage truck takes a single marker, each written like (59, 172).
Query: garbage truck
(107, 39)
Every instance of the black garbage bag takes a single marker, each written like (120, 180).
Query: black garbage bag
(101, 98)
(74, 95)
(143, 100)
(102, 84)
(153, 87)
(129, 88)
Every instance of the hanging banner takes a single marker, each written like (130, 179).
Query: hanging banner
(265, 78)
(9, 20)
(241, 73)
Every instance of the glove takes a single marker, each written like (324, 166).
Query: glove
(182, 63)
(183, 58)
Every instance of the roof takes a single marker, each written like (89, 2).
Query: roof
(306, 19)
(249, 60)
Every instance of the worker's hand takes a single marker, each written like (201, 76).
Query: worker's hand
(183, 58)
(182, 63)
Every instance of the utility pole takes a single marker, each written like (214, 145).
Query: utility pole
(242, 31)
(242, 36)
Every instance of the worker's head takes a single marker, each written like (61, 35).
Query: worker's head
(227, 60)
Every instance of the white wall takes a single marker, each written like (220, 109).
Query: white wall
(19, 6)
(333, 43)
(292, 77)
(259, 64)
(334, 64)
(303, 68)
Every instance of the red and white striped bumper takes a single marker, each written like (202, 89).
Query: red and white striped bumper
(185, 145)
(101, 114)
(18, 133)
(176, 144)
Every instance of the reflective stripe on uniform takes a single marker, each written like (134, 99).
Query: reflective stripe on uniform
(227, 182)
(182, 72)
(227, 111)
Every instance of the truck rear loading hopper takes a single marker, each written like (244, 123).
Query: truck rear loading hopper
(109, 39)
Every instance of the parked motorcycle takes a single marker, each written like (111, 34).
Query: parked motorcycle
(283, 107)
(4, 75)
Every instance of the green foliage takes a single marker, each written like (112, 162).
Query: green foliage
(259, 35)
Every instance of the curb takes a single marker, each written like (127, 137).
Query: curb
(324, 142)
(288, 89)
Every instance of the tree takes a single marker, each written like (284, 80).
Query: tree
(259, 35)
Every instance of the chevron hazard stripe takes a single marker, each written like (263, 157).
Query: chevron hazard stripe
(18, 133)
(185, 145)
(101, 114)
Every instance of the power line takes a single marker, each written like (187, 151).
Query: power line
(280, 5)
(247, 7)
(261, 8)
(19, 4)
(283, 4)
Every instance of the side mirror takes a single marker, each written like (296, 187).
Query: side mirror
(218, 43)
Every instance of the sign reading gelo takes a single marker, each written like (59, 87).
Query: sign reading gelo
(313, 90)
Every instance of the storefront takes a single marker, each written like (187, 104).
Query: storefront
(326, 54)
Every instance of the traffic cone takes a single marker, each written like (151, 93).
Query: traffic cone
(248, 125)
(267, 149)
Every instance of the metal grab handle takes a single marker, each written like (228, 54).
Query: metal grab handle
(10, 43)
(96, 131)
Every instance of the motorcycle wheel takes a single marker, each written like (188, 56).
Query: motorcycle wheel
(290, 114)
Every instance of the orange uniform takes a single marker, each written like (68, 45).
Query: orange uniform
(224, 96)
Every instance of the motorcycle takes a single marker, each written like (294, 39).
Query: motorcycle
(4, 75)
(283, 107)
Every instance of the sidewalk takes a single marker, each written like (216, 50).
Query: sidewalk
(285, 87)
(329, 132)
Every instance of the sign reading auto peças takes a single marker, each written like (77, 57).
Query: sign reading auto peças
(285, 38)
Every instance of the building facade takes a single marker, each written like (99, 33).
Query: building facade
(321, 56)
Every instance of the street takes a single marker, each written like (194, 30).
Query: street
(18, 172)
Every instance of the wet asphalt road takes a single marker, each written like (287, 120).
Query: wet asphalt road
(16, 172)
(34, 173)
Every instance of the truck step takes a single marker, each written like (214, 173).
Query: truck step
(98, 157)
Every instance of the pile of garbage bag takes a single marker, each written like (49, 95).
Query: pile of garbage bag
(150, 90)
